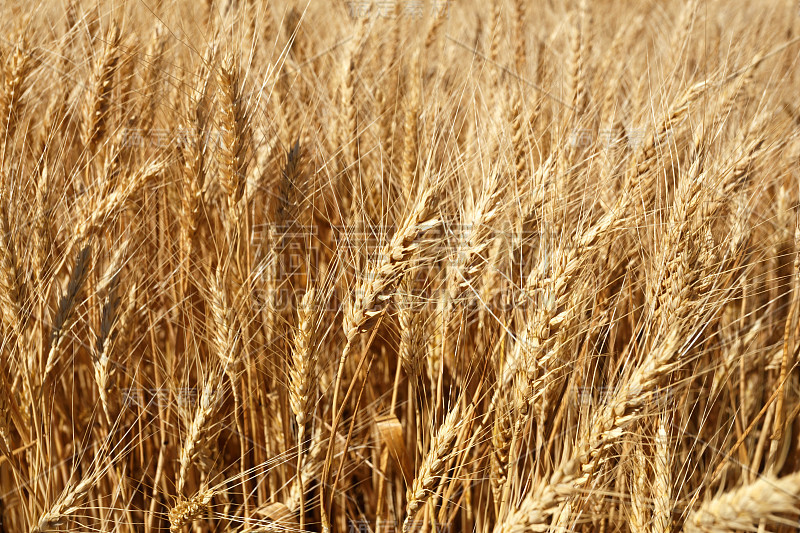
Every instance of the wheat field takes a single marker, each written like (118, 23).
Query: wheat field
(367, 266)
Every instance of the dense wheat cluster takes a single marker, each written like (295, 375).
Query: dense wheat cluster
(399, 266)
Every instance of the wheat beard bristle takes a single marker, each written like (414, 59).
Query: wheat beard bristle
(409, 265)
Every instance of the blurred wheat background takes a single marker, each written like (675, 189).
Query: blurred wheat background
(399, 266)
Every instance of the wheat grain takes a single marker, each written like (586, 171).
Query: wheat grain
(278, 258)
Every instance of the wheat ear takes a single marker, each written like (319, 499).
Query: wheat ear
(301, 380)
(195, 156)
(373, 295)
(662, 479)
(197, 428)
(186, 511)
(12, 288)
(743, 508)
(66, 306)
(17, 70)
(104, 369)
(411, 119)
(66, 505)
(432, 467)
(235, 120)
(99, 99)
